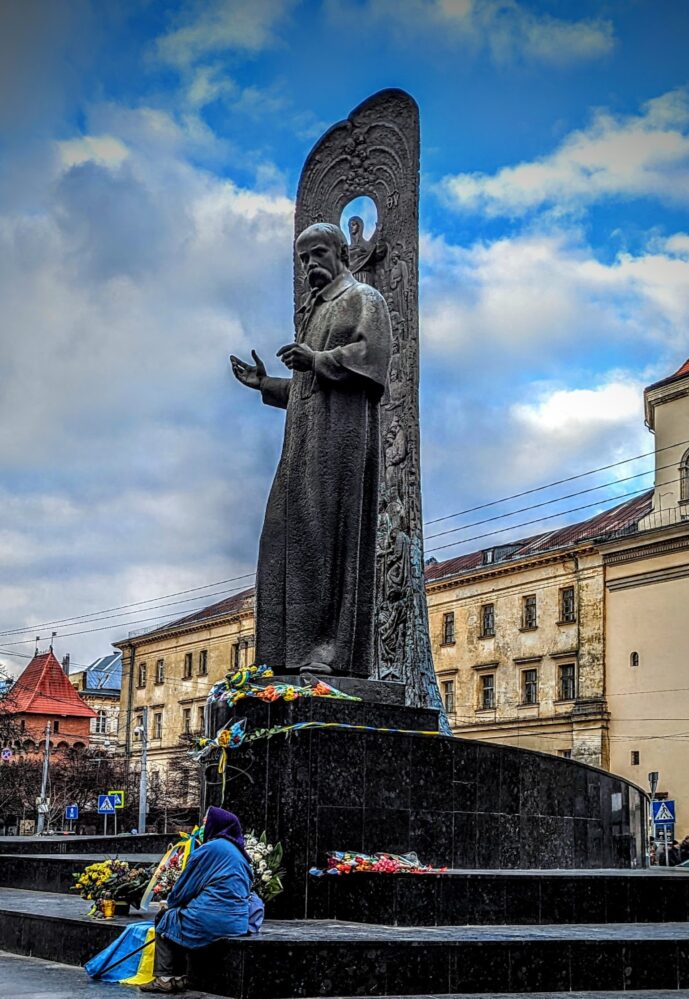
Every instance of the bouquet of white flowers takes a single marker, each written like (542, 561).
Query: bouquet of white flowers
(266, 860)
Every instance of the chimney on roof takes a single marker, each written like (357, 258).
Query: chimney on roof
(65, 664)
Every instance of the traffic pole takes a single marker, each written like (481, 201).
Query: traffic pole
(40, 825)
(143, 780)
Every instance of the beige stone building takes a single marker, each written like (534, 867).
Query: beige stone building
(518, 635)
(171, 669)
(647, 608)
(99, 685)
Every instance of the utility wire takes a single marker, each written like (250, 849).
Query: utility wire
(95, 615)
(558, 482)
(557, 499)
(539, 520)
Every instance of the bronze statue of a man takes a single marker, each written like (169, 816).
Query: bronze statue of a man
(315, 587)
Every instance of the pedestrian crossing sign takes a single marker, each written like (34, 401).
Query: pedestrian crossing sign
(664, 813)
(119, 798)
(106, 804)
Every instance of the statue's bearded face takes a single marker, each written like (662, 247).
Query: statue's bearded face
(320, 257)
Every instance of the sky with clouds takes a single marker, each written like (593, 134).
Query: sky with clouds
(149, 158)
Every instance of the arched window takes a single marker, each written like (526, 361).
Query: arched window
(684, 478)
(634, 660)
(101, 722)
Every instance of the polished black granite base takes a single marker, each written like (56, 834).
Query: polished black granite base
(325, 958)
(110, 845)
(497, 898)
(455, 802)
(51, 872)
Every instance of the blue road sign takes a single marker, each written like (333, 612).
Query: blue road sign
(106, 804)
(664, 813)
(72, 812)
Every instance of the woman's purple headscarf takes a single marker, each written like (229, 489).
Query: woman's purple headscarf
(224, 825)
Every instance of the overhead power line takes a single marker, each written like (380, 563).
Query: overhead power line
(557, 482)
(132, 608)
(538, 520)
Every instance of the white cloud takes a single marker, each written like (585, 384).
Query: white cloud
(545, 294)
(510, 31)
(222, 25)
(127, 450)
(566, 414)
(641, 155)
(104, 149)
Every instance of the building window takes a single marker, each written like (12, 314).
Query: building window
(634, 660)
(22, 725)
(568, 682)
(188, 662)
(203, 662)
(530, 686)
(141, 677)
(160, 671)
(201, 718)
(101, 723)
(56, 726)
(684, 479)
(566, 754)
(488, 621)
(487, 691)
(449, 628)
(138, 726)
(567, 610)
(236, 655)
(529, 612)
(158, 725)
(635, 757)
(186, 721)
(449, 696)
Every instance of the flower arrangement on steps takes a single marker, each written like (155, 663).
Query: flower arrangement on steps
(115, 881)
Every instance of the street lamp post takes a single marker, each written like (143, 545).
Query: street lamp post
(142, 730)
(40, 825)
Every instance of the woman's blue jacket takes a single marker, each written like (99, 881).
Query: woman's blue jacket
(211, 898)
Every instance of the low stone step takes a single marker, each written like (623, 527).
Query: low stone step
(53, 872)
(327, 958)
(481, 897)
(124, 843)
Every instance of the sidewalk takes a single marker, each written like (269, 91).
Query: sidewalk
(31, 978)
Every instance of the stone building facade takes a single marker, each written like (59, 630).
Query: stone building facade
(518, 635)
(43, 695)
(99, 684)
(647, 601)
(170, 671)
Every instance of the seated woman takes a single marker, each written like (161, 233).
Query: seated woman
(212, 899)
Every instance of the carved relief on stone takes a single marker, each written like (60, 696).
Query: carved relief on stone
(375, 153)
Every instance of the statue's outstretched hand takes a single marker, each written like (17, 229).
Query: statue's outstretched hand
(297, 356)
(249, 375)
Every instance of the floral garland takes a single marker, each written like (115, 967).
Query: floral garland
(234, 734)
(348, 862)
(242, 683)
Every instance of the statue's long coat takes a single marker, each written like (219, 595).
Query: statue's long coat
(316, 568)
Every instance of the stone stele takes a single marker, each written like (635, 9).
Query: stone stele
(315, 603)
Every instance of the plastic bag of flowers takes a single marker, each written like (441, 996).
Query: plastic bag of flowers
(266, 860)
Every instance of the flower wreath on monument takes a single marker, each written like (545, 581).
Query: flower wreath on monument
(242, 683)
(350, 862)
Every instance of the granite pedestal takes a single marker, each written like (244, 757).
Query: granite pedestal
(455, 802)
